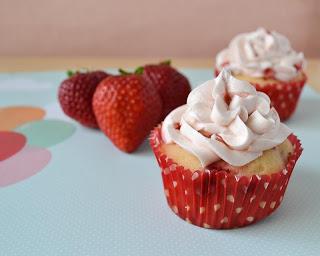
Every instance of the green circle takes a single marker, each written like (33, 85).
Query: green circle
(46, 133)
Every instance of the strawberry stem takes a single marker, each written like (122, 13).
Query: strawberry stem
(70, 73)
(124, 72)
(166, 62)
(139, 70)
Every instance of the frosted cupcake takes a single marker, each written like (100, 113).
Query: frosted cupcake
(226, 158)
(266, 60)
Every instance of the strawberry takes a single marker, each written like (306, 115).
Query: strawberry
(75, 96)
(172, 86)
(268, 73)
(127, 107)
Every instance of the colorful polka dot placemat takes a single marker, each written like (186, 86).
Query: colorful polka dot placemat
(65, 190)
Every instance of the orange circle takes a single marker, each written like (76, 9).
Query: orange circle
(12, 117)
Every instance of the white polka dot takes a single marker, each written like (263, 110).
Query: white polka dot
(202, 209)
(281, 187)
(230, 198)
(174, 183)
(183, 177)
(166, 191)
(185, 192)
(279, 86)
(262, 204)
(195, 176)
(188, 220)
(252, 198)
(238, 210)
(281, 197)
(187, 207)
(166, 171)
(285, 171)
(224, 220)
(216, 207)
(205, 225)
(250, 219)
(223, 182)
(266, 184)
(273, 204)
(175, 208)
(173, 167)
(290, 96)
(283, 105)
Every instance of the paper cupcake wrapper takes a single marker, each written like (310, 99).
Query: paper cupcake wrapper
(218, 199)
(284, 96)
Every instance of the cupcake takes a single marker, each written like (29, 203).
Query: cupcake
(226, 158)
(266, 60)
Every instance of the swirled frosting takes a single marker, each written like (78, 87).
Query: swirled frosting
(226, 119)
(260, 53)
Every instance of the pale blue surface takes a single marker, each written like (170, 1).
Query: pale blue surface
(94, 200)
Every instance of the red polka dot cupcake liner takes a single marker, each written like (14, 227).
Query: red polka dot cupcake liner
(284, 96)
(217, 199)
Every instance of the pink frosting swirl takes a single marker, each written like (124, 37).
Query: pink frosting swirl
(226, 119)
(257, 52)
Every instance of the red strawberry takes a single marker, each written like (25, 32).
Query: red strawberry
(172, 86)
(75, 96)
(127, 107)
(268, 73)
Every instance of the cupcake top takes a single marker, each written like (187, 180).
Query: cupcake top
(225, 119)
(261, 53)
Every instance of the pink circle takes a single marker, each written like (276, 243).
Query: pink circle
(28, 162)
(10, 143)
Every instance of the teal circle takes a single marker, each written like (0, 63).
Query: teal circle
(46, 133)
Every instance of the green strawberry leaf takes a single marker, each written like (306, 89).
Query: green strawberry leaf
(124, 72)
(166, 62)
(70, 73)
(139, 70)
